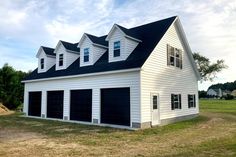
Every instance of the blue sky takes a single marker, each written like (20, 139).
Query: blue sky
(25, 25)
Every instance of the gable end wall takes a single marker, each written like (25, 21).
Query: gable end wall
(157, 77)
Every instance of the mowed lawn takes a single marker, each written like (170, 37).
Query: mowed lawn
(213, 133)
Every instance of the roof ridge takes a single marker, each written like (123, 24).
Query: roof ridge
(152, 22)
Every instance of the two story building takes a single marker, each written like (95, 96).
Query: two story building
(130, 78)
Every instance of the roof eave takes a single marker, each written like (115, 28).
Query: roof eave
(186, 44)
(99, 45)
(83, 75)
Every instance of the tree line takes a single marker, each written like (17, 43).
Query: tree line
(11, 88)
(230, 86)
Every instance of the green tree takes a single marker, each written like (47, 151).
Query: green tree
(11, 88)
(207, 69)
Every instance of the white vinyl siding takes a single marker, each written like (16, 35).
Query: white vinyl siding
(130, 45)
(126, 79)
(97, 53)
(48, 62)
(126, 46)
(86, 43)
(60, 50)
(165, 80)
(68, 57)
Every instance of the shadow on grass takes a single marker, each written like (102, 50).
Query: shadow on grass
(50, 127)
(60, 129)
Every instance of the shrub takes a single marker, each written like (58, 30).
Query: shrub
(228, 97)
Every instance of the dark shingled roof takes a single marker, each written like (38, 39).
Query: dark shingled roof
(98, 40)
(150, 34)
(48, 51)
(70, 46)
(129, 33)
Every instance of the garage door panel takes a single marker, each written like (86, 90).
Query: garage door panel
(34, 108)
(81, 105)
(115, 106)
(55, 101)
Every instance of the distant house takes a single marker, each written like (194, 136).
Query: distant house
(215, 92)
(233, 93)
(132, 77)
(226, 92)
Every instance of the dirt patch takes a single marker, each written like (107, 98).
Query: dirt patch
(4, 110)
(16, 135)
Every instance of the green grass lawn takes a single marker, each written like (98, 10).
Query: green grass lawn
(218, 106)
(213, 133)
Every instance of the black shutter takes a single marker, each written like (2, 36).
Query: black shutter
(180, 101)
(188, 101)
(172, 102)
(194, 100)
(168, 54)
(181, 59)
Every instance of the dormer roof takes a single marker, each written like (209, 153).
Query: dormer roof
(98, 41)
(49, 51)
(70, 46)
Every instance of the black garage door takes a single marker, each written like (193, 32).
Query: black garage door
(55, 104)
(81, 105)
(115, 106)
(34, 104)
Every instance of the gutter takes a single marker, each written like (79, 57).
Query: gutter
(82, 75)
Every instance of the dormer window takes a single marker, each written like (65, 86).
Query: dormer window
(86, 55)
(116, 50)
(42, 63)
(60, 59)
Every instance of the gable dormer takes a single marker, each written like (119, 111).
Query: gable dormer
(121, 43)
(66, 54)
(46, 59)
(91, 49)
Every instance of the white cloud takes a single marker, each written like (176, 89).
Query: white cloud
(209, 25)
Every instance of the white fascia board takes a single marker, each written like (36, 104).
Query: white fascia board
(58, 44)
(82, 38)
(50, 56)
(112, 29)
(186, 45)
(133, 38)
(83, 75)
(39, 51)
(70, 51)
(98, 45)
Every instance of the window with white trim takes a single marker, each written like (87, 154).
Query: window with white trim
(42, 63)
(116, 49)
(191, 101)
(175, 101)
(86, 55)
(61, 59)
(174, 57)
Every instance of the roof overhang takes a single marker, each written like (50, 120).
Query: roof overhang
(83, 75)
(40, 51)
(58, 45)
(187, 47)
(83, 38)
